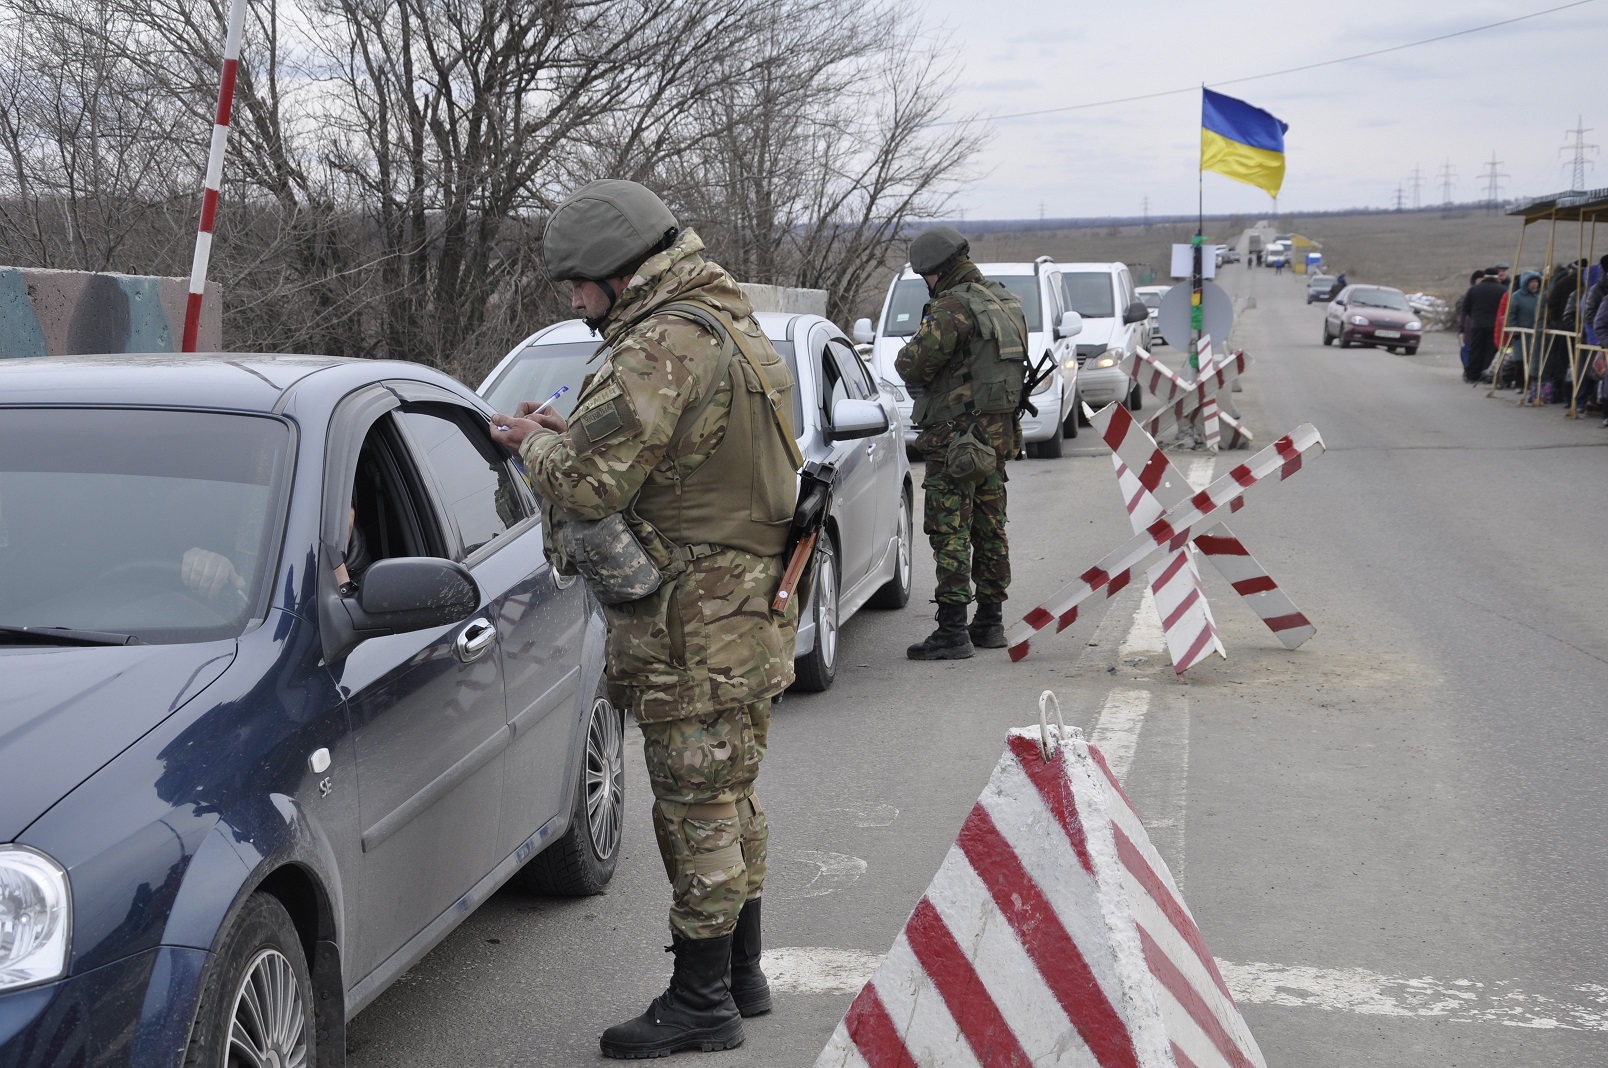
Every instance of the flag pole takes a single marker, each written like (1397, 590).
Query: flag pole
(1200, 234)
(214, 176)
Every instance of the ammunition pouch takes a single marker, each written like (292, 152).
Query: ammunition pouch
(622, 558)
(970, 458)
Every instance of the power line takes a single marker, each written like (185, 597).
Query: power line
(1401, 198)
(1580, 149)
(1273, 73)
(1417, 178)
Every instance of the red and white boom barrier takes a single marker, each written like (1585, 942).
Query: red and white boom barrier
(1183, 522)
(1053, 935)
(1151, 485)
(214, 179)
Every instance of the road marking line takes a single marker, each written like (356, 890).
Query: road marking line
(1371, 993)
(1117, 731)
(823, 970)
(1144, 633)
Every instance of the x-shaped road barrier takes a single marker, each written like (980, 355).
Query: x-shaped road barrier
(1151, 485)
(1166, 539)
(1183, 401)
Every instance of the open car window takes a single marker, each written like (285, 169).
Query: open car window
(472, 476)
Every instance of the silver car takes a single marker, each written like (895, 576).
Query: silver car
(842, 415)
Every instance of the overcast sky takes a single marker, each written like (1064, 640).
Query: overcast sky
(1356, 129)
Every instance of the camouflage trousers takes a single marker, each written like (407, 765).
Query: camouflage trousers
(712, 833)
(965, 524)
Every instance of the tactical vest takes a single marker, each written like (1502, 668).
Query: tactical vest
(742, 496)
(990, 378)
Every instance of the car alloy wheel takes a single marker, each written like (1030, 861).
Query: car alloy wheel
(605, 778)
(895, 593)
(815, 670)
(268, 1025)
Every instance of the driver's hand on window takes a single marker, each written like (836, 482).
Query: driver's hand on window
(208, 573)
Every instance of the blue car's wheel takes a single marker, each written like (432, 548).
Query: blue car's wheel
(256, 1008)
(582, 862)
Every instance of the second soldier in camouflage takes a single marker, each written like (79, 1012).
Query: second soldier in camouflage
(968, 360)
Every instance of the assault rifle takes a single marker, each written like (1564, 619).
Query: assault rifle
(1032, 379)
(815, 483)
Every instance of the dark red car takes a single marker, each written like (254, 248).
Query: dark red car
(1376, 316)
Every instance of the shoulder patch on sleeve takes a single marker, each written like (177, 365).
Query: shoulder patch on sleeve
(604, 418)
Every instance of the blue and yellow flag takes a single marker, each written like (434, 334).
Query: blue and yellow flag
(1240, 141)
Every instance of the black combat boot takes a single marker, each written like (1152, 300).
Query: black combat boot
(987, 628)
(696, 1012)
(748, 986)
(950, 641)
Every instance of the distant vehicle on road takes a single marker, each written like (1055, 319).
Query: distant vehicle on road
(843, 416)
(1319, 287)
(1230, 254)
(1376, 316)
(1278, 254)
(1152, 295)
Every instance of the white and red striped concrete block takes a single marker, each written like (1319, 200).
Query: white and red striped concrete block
(1150, 485)
(214, 178)
(1052, 935)
(1178, 526)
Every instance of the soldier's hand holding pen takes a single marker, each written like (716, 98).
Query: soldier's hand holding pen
(512, 430)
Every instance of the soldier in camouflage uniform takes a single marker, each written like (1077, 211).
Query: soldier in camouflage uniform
(687, 435)
(969, 362)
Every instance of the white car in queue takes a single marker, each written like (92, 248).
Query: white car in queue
(842, 416)
(1050, 329)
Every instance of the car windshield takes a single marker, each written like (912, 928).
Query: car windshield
(910, 298)
(537, 372)
(156, 524)
(1089, 293)
(1321, 280)
(1380, 298)
(1152, 300)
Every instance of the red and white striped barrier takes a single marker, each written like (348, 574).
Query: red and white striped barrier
(1183, 401)
(1178, 526)
(1052, 935)
(1150, 485)
(214, 179)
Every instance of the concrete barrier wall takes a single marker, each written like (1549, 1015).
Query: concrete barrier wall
(62, 313)
(785, 299)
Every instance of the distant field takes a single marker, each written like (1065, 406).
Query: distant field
(1425, 250)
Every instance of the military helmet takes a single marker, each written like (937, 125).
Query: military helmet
(935, 247)
(604, 229)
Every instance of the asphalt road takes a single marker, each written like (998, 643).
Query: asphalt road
(1391, 837)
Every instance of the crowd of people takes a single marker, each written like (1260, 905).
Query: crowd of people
(1570, 297)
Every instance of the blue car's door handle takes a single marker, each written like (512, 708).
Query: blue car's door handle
(474, 640)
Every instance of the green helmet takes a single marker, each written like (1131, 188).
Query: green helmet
(604, 229)
(935, 247)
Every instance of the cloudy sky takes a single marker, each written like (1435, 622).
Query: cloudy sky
(1357, 129)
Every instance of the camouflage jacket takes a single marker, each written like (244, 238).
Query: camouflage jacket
(945, 331)
(706, 640)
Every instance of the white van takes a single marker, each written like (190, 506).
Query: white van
(1038, 286)
(1116, 323)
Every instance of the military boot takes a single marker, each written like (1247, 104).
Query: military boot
(695, 1012)
(748, 986)
(987, 628)
(950, 641)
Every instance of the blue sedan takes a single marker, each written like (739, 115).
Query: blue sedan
(287, 688)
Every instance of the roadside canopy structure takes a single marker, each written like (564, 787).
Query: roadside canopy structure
(1585, 208)
(1300, 250)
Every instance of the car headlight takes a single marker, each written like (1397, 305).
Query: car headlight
(1413, 324)
(1044, 386)
(1107, 360)
(35, 918)
(893, 389)
(1359, 320)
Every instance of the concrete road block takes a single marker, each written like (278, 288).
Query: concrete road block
(66, 313)
(1052, 935)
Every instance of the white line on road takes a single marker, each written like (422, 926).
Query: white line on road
(823, 970)
(1117, 732)
(1371, 993)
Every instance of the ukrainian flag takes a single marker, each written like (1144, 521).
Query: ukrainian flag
(1240, 141)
